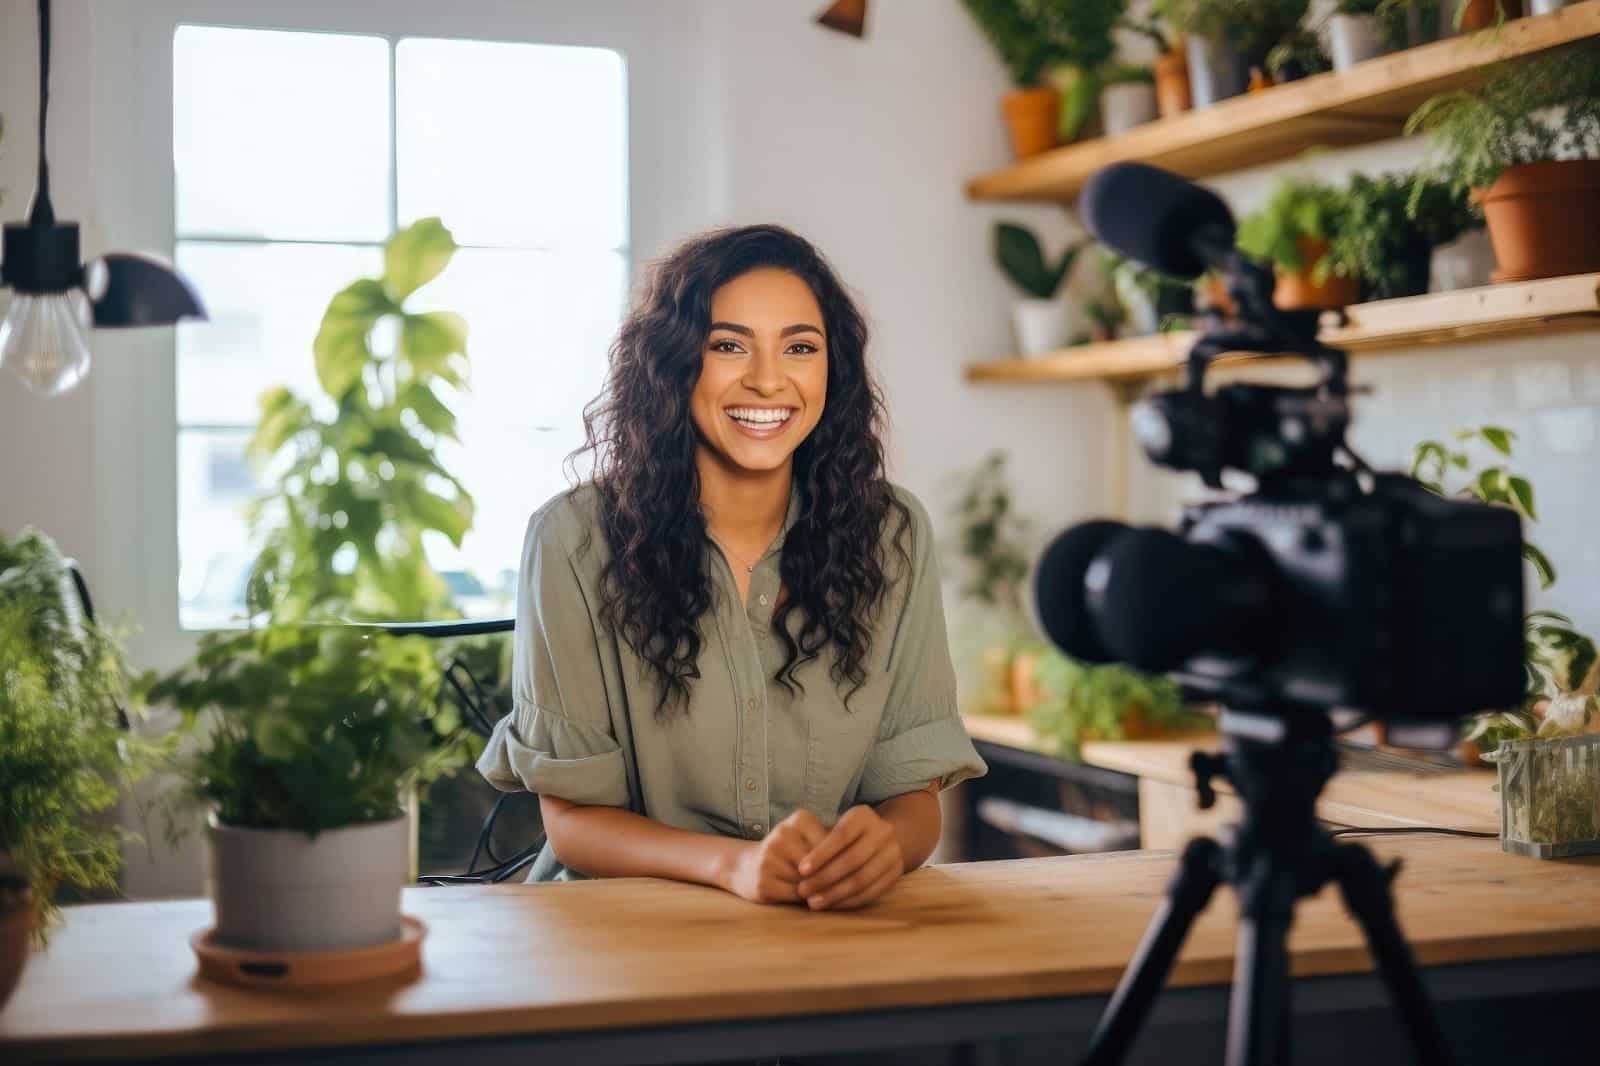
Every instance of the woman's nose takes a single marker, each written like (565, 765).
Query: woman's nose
(763, 373)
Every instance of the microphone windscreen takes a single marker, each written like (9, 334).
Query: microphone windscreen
(1151, 216)
(1058, 589)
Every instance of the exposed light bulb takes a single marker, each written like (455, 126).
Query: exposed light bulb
(44, 341)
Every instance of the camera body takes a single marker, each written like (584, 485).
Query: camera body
(1394, 601)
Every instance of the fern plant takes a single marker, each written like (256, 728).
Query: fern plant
(1535, 112)
(1390, 225)
(64, 751)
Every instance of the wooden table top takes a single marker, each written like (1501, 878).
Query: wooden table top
(119, 979)
(1462, 799)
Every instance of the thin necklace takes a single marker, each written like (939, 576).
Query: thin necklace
(749, 568)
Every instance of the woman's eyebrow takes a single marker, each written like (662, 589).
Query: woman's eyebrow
(798, 327)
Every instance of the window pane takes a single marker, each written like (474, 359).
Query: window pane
(513, 143)
(539, 324)
(214, 484)
(265, 302)
(280, 135)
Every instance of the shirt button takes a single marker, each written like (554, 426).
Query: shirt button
(749, 784)
(753, 703)
(756, 828)
(762, 599)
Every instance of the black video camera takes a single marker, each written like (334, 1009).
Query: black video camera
(1328, 586)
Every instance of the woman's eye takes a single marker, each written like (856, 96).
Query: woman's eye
(803, 349)
(727, 347)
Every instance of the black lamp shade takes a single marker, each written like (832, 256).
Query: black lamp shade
(128, 289)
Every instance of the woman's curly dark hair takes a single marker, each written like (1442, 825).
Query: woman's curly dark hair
(642, 438)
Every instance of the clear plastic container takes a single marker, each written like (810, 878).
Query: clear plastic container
(1549, 796)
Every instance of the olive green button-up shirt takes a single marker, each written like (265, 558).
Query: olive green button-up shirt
(748, 753)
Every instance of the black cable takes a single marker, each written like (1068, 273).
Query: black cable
(43, 214)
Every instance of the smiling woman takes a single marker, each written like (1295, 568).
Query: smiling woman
(731, 658)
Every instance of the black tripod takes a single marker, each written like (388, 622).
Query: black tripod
(1279, 853)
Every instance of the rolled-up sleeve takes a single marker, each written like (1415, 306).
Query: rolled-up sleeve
(922, 739)
(558, 739)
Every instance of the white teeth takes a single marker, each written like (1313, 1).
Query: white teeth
(759, 416)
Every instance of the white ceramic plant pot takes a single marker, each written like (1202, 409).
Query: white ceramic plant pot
(1545, 7)
(1042, 326)
(1353, 39)
(281, 890)
(1127, 105)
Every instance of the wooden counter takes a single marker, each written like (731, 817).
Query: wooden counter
(527, 962)
(1168, 814)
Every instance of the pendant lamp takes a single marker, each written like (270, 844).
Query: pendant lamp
(56, 297)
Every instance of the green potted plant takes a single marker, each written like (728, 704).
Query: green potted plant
(1292, 230)
(1171, 67)
(1473, 15)
(1527, 145)
(1128, 98)
(1043, 317)
(1226, 38)
(344, 539)
(1392, 224)
(310, 739)
(1355, 33)
(65, 751)
(1081, 42)
(990, 552)
(1299, 55)
(1032, 110)
(1072, 702)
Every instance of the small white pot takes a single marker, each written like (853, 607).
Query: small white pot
(1042, 326)
(1353, 39)
(281, 890)
(1545, 7)
(1127, 105)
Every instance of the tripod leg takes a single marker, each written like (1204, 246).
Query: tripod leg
(1365, 886)
(1258, 1010)
(1197, 878)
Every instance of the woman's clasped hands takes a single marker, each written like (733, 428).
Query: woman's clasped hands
(801, 861)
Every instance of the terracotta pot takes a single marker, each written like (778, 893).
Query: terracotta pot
(1025, 691)
(16, 939)
(1031, 116)
(1172, 83)
(1481, 14)
(1544, 219)
(1297, 290)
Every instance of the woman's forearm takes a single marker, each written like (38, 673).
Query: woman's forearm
(609, 842)
(916, 820)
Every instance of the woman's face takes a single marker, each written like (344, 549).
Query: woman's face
(764, 371)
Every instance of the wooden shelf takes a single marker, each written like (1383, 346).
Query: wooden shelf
(1369, 102)
(1569, 303)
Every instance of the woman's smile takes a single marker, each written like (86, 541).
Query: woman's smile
(762, 423)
